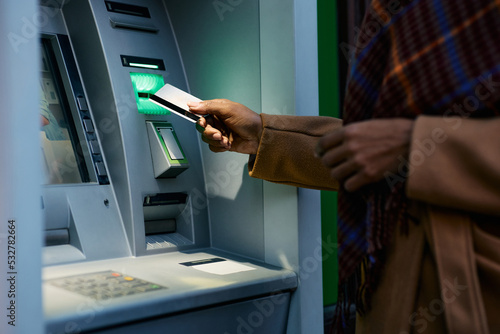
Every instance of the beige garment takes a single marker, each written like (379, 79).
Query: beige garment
(286, 151)
(432, 282)
(444, 275)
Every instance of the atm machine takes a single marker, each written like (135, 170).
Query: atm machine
(130, 240)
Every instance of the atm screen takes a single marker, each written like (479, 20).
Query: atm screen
(63, 150)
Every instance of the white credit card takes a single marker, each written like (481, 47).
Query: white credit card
(175, 100)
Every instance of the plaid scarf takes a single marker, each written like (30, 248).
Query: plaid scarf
(432, 57)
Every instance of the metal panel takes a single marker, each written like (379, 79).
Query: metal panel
(222, 60)
(122, 128)
(188, 288)
(110, 223)
(20, 176)
(260, 316)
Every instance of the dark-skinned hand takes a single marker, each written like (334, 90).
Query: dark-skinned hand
(233, 126)
(362, 153)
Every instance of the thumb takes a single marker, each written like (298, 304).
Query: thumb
(218, 107)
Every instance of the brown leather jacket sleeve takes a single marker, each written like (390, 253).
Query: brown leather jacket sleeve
(455, 162)
(286, 151)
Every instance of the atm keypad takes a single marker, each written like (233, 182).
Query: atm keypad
(104, 285)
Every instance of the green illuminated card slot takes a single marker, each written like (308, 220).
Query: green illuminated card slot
(145, 85)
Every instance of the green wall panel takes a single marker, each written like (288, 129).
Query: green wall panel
(328, 106)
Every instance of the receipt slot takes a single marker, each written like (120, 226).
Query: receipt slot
(167, 155)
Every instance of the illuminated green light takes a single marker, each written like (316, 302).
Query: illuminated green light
(144, 85)
(155, 67)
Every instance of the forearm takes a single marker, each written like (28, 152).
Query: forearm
(455, 163)
(286, 151)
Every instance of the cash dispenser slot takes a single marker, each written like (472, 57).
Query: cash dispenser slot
(165, 220)
(160, 211)
(57, 237)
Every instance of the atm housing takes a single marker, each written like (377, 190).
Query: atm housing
(140, 211)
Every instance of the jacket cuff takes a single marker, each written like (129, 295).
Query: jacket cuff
(286, 151)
